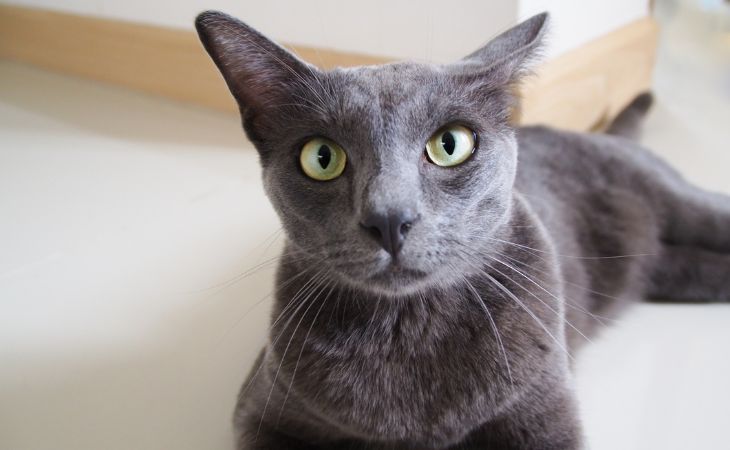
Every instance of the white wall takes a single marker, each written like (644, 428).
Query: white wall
(433, 30)
(578, 21)
(429, 29)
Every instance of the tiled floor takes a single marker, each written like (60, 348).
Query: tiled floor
(127, 317)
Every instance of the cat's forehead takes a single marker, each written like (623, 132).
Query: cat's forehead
(399, 99)
(396, 81)
(375, 105)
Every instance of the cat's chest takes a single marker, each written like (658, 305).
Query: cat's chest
(410, 379)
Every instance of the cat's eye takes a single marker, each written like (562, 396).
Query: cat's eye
(451, 145)
(322, 159)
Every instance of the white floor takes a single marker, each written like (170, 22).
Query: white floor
(127, 223)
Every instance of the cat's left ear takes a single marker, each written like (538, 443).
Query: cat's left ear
(259, 73)
(505, 59)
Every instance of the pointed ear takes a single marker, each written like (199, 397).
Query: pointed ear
(259, 73)
(506, 58)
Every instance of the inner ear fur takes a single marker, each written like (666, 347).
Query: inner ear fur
(258, 72)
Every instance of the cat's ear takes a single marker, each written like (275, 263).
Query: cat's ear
(506, 58)
(258, 72)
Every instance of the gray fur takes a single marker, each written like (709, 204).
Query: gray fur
(516, 257)
(627, 123)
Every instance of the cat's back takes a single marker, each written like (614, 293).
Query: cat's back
(546, 152)
(576, 180)
(596, 196)
(567, 164)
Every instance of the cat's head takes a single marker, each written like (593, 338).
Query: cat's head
(391, 177)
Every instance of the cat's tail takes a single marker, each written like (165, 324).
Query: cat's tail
(628, 122)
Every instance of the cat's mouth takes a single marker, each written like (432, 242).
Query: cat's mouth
(384, 274)
(395, 275)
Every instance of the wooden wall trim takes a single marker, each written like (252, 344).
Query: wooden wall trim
(162, 61)
(586, 87)
(578, 90)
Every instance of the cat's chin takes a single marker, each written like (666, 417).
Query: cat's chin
(394, 281)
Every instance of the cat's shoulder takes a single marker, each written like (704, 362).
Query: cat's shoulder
(553, 138)
(539, 141)
(588, 158)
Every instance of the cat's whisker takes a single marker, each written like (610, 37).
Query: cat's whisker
(304, 344)
(339, 296)
(321, 274)
(593, 291)
(271, 237)
(278, 288)
(568, 301)
(559, 314)
(569, 256)
(511, 295)
(217, 287)
(494, 327)
(307, 287)
(528, 278)
(268, 263)
(477, 238)
(373, 315)
(222, 286)
(277, 234)
(273, 343)
(310, 299)
(335, 309)
(293, 255)
(537, 320)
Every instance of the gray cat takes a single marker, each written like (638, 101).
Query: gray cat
(436, 281)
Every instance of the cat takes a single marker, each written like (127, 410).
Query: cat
(442, 265)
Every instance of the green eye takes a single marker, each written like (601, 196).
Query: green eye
(322, 159)
(451, 145)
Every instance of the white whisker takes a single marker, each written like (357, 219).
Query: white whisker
(504, 289)
(301, 351)
(494, 328)
(308, 299)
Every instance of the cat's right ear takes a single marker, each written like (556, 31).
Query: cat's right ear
(259, 73)
(504, 60)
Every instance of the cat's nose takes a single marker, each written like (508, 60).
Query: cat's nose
(389, 230)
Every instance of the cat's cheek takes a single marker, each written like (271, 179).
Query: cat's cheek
(455, 182)
(305, 205)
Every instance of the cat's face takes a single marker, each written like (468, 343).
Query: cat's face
(381, 119)
(345, 160)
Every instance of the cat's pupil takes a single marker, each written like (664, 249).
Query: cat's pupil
(448, 142)
(324, 156)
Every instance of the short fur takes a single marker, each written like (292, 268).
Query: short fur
(465, 341)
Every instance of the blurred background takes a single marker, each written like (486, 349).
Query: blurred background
(137, 248)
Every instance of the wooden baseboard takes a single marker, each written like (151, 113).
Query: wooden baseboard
(586, 87)
(157, 60)
(579, 90)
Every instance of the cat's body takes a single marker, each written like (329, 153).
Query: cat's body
(457, 330)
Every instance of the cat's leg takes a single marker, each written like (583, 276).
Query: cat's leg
(698, 218)
(694, 255)
(690, 273)
(546, 420)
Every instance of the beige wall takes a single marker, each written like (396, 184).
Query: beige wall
(579, 21)
(432, 30)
